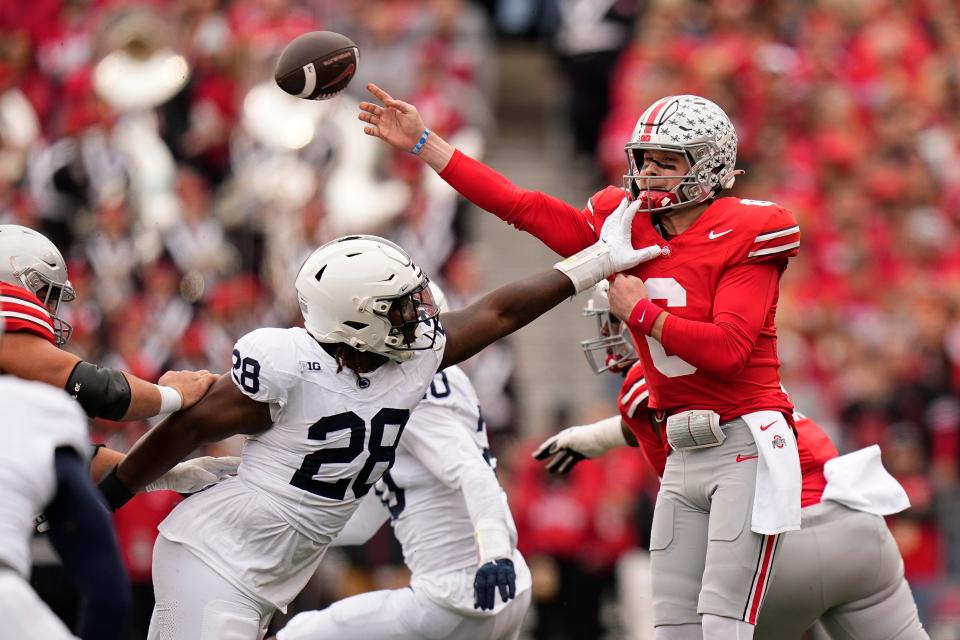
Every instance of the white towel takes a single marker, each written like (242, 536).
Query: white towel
(776, 500)
(859, 481)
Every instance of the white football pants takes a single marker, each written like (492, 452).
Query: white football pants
(404, 614)
(193, 602)
(24, 615)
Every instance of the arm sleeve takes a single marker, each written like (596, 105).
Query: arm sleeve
(363, 524)
(557, 224)
(722, 347)
(81, 532)
(446, 449)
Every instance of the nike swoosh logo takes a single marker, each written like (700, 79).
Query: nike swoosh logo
(714, 236)
(741, 458)
(767, 426)
(642, 316)
(340, 77)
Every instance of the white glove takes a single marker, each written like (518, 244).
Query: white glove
(196, 474)
(612, 253)
(573, 444)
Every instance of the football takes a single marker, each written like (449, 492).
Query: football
(317, 65)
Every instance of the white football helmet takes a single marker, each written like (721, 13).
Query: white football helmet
(29, 260)
(366, 292)
(613, 348)
(695, 127)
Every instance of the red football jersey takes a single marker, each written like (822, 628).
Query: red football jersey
(713, 273)
(719, 283)
(23, 311)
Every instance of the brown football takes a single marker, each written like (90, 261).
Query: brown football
(317, 65)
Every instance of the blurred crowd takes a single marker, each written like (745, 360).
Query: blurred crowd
(146, 139)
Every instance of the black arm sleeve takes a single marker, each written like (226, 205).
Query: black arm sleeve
(102, 392)
(81, 532)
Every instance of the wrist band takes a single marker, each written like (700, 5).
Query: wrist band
(170, 399)
(644, 314)
(116, 493)
(422, 141)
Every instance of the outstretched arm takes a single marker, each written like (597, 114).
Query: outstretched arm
(102, 392)
(515, 305)
(222, 413)
(557, 224)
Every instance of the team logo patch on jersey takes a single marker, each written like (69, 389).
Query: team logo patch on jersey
(309, 366)
(779, 442)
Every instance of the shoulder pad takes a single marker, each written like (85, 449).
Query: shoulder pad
(602, 204)
(23, 311)
(634, 392)
(775, 234)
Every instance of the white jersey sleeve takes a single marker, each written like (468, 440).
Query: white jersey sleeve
(262, 366)
(453, 456)
(38, 419)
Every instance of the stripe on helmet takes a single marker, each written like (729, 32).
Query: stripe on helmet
(654, 111)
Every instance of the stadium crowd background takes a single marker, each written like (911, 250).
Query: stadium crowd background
(185, 203)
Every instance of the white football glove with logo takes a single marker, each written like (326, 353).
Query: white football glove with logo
(573, 444)
(196, 474)
(611, 254)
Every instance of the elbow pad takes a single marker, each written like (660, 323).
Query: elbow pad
(102, 392)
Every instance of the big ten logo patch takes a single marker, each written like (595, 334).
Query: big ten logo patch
(309, 366)
(779, 442)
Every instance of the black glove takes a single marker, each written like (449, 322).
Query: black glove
(493, 575)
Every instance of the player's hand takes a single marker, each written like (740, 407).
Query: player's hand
(393, 121)
(625, 292)
(568, 447)
(191, 385)
(616, 233)
(196, 474)
(498, 574)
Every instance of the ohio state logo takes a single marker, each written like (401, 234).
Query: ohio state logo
(779, 442)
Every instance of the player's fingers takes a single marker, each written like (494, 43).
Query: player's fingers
(399, 105)
(554, 465)
(545, 449)
(370, 107)
(371, 131)
(503, 586)
(568, 461)
(365, 117)
(379, 93)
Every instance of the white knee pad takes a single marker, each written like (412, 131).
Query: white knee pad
(690, 631)
(719, 628)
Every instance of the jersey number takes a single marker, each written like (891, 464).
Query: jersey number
(246, 371)
(676, 296)
(379, 452)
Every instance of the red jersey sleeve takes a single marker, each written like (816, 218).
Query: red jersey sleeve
(777, 236)
(557, 224)
(23, 311)
(632, 403)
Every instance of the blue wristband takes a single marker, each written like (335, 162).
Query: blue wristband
(422, 141)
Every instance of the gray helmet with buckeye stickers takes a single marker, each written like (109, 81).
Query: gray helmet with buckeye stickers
(695, 127)
(29, 260)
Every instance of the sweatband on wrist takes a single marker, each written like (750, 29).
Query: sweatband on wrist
(644, 314)
(422, 141)
(609, 433)
(170, 399)
(587, 267)
(493, 542)
(116, 493)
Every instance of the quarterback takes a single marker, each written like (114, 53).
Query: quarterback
(842, 567)
(703, 319)
(324, 407)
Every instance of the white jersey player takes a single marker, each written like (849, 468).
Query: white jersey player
(325, 407)
(43, 465)
(451, 518)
